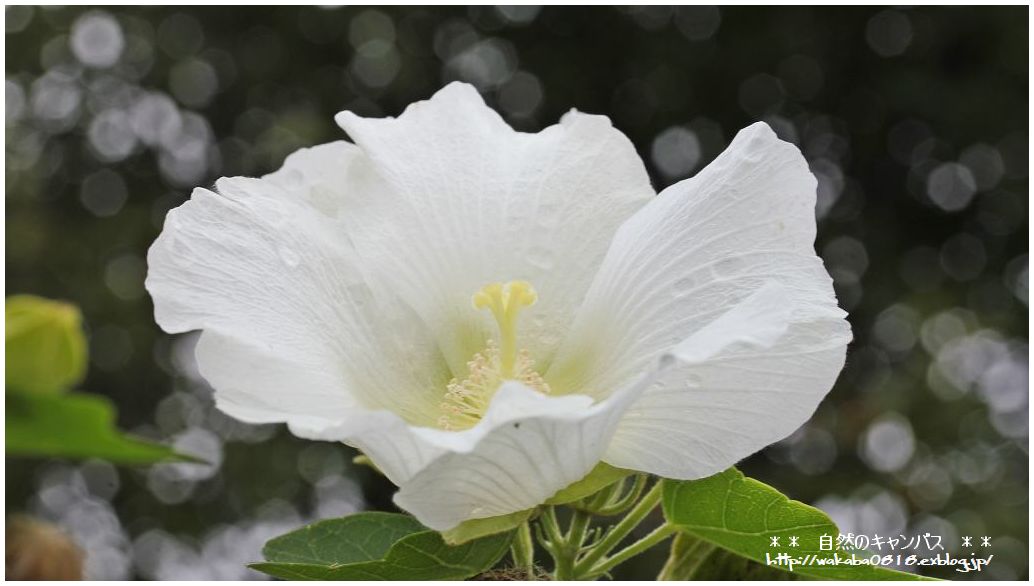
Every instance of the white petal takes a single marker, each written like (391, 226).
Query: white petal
(471, 201)
(256, 385)
(739, 394)
(760, 320)
(728, 256)
(293, 331)
(383, 436)
(526, 448)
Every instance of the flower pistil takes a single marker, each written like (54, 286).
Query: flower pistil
(466, 401)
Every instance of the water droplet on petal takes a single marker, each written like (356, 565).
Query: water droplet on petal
(693, 381)
(728, 267)
(548, 215)
(289, 256)
(541, 258)
(324, 200)
(293, 177)
(686, 284)
(358, 293)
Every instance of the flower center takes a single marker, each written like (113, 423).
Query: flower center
(466, 401)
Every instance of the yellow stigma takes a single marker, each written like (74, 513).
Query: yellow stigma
(505, 302)
(466, 401)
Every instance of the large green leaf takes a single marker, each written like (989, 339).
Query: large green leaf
(377, 546)
(357, 538)
(45, 347)
(600, 477)
(73, 425)
(742, 515)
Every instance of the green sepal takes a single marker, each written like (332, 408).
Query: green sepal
(600, 477)
(476, 528)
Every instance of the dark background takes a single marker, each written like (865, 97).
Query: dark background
(914, 120)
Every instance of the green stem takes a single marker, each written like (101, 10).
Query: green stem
(656, 536)
(580, 521)
(550, 526)
(571, 545)
(687, 555)
(620, 531)
(523, 550)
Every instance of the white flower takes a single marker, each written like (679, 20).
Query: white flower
(488, 314)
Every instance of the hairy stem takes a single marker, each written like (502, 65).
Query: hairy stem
(618, 533)
(653, 538)
(523, 550)
(571, 545)
(550, 526)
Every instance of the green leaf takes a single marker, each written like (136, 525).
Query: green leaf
(73, 426)
(46, 349)
(742, 515)
(377, 546)
(357, 538)
(695, 559)
(600, 477)
(475, 528)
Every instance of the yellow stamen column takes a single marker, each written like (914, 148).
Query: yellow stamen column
(465, 401)
(505, 302)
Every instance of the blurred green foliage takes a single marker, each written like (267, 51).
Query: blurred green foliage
(74, 426)
(46, 355)
(914, 121)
